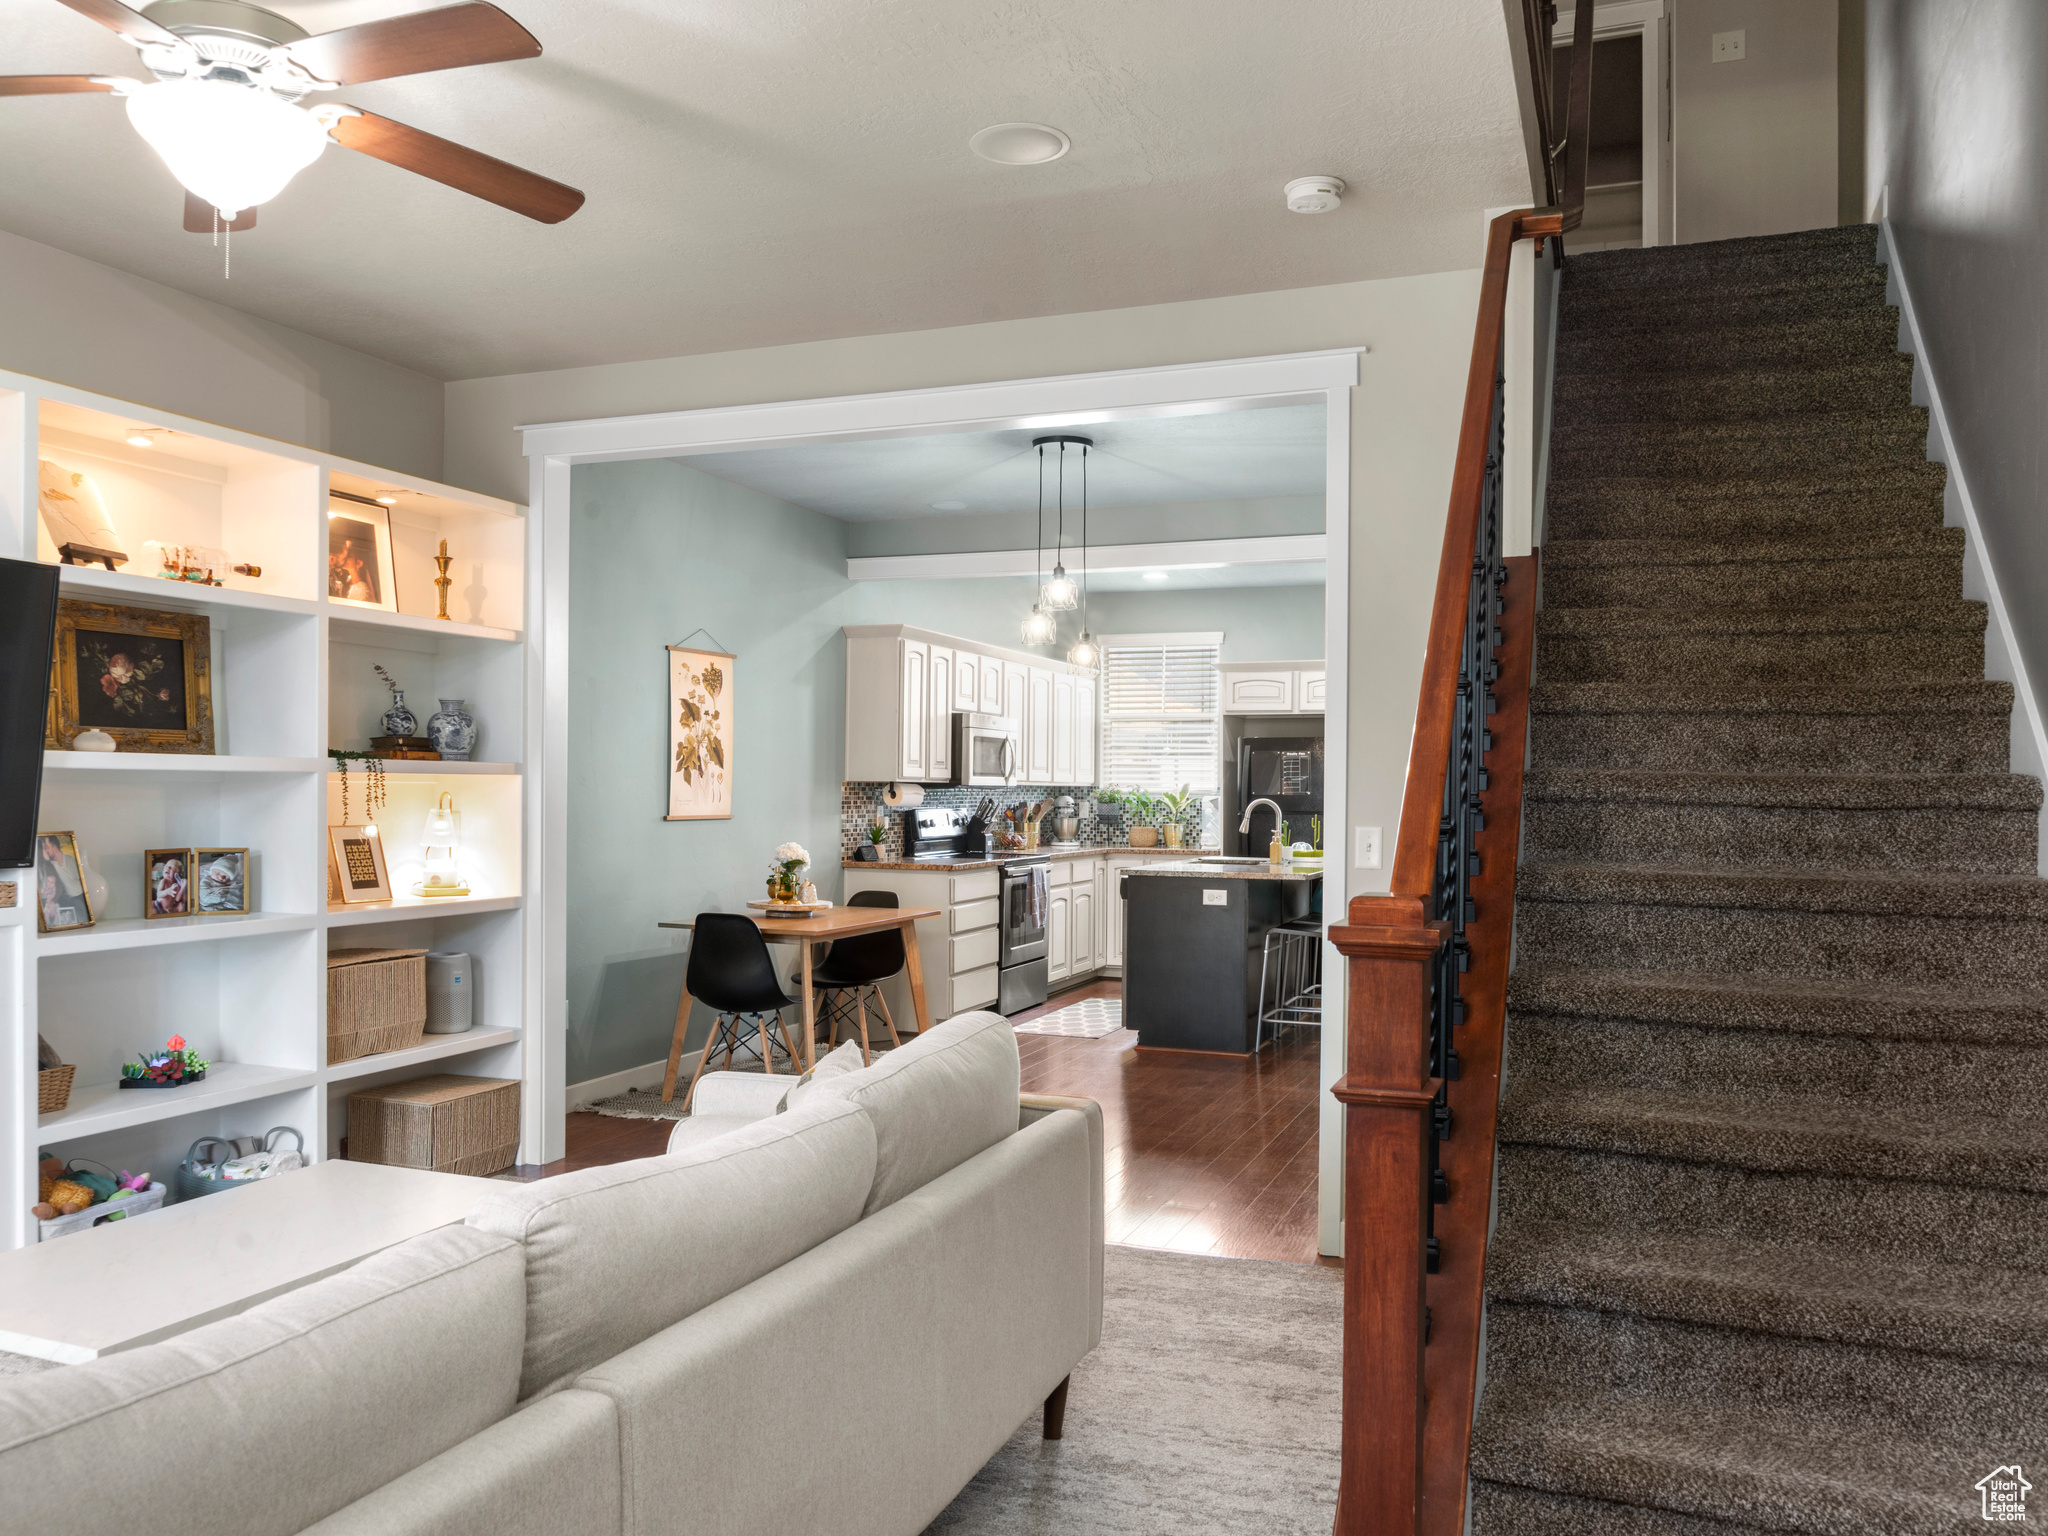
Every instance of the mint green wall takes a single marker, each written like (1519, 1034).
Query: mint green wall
(1158, 523)
(658, 550)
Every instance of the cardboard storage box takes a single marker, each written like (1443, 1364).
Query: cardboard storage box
(376, 1001)
(446, 1123)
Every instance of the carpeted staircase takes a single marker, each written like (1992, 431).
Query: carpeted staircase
(1772, 1248)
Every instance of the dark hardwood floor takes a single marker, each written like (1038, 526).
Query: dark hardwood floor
(1202, 1154)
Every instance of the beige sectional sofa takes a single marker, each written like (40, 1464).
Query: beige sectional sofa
(825, 1319)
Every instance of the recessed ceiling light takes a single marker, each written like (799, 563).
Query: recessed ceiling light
(949, 506)
(1155, 575)
(140, 438)
(1020, 143)
(388, 501)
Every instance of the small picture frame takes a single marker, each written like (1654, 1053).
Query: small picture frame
(167, 882)
(359, 567)
(220, 881)
(358, 871)
(61, 900)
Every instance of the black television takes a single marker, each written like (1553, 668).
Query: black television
(28, 628)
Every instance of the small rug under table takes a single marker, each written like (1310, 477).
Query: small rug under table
(1212, 1405)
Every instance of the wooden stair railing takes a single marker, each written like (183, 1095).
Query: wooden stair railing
(1426, 964)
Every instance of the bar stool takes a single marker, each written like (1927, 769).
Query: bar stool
(1291, 990)
(858, 965)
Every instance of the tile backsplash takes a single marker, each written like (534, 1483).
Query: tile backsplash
(859, 804)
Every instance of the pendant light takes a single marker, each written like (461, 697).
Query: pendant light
(1039, 627)
(1061, 594)
(1084, 652)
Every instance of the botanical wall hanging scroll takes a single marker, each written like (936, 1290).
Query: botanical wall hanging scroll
(700, 716)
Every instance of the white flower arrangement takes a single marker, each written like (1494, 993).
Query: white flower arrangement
(792, 853)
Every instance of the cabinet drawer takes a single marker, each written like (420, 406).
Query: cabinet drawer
(983, 882)
(977, 989)
(970, 915)
(971, 951)
(1063, 871)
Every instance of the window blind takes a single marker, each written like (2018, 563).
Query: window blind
(1160, 721)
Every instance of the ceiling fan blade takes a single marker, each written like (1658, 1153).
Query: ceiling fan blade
(466, 170)
(52, 85)
(448, 38)
(131, 24)
(200, 219)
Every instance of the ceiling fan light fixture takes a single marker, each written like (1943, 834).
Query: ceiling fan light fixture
(232, 146)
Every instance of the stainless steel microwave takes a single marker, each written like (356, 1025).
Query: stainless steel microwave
(987, 749)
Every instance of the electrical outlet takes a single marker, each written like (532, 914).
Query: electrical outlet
(1368, 848)
(1216, 898)
(1727, 47)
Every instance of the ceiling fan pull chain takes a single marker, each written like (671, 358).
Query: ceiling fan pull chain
(227, 252)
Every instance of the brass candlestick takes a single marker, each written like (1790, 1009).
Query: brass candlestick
(441, 582)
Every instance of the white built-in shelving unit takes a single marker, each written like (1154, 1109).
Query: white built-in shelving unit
(292, 677)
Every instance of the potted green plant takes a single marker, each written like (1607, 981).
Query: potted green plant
(1109, 805)
(870, 852)
(1176, 805)
(1141, 807)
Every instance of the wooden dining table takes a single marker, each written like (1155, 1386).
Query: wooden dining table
(818, 928)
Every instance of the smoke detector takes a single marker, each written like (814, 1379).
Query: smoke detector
(1314, 194)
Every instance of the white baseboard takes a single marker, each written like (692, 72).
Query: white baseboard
(589, 1092)
(2002, 663)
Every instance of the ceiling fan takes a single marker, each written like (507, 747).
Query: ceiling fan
(224, 109)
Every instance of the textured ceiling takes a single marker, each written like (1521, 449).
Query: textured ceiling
(771, 171)
(1223, 456)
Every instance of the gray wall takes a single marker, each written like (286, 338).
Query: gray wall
(768, 580)
(76, 322)
(1958, 144)
(1754, 139)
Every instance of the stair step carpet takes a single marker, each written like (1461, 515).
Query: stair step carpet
(1772, 1241)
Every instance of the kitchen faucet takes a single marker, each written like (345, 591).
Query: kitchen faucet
(1278, 816)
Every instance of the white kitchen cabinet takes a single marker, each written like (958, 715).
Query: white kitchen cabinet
(1038, 727)
(1258, 693)
(966, 681)
(938, 745)
(989, 683)
(1085, 726)
(1308, 693)
(958, 948)
(1113, 906)
(1016, 678)
(1081, 944)
(1058, 948)
(913, 661)
(1063, 730)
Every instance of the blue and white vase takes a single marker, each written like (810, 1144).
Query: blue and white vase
(452, 730)
(398, 720)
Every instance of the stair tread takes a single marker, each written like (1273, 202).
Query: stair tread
(1831, 1475)
(1898, 544)
(1896, 893)
(1784, 1133)
(1942, 615)
(1956, 695)
(1798, 1290)
(1817, 791)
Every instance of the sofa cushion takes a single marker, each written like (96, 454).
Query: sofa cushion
(262, 1423)
(843, 1062)
(948, 1094)
(615, 1254)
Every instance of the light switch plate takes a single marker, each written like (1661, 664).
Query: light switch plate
(1215, 898)
(1728, 47)
(1368, 856)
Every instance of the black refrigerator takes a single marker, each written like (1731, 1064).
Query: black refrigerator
(1287, 770)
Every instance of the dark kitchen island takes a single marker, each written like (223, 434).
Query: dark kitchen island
(1193, 937)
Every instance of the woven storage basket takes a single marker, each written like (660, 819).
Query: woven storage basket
(447, 1123)
(376, 1001)
(53, 1088)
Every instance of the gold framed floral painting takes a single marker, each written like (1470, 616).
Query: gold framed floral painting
(142, 675)
(700, 736)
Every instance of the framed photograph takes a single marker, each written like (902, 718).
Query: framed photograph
(142, 675)
(220, 880)
(167, 882)
(61, 901)
(359, 555)
(359, 872)
(700, 716)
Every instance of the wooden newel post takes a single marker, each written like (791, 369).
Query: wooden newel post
(1387, 1093)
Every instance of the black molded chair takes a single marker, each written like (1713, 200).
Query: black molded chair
(730, 970)
(857, 966)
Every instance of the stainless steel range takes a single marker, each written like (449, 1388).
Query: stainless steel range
(934, 834)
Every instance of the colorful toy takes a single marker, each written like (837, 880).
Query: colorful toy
(63, 1189)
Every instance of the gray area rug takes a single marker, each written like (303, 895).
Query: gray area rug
(1211, 1405)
